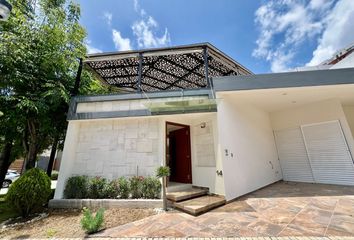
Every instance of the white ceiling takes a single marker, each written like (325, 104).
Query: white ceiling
(272, 100)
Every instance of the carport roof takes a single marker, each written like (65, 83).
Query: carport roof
(161, 69)
(284, 80)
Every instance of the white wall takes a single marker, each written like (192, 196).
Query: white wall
(313, 113)
(246, 133)
(66, 164)
(111, 149)
(115, 147)
(349, 114)
(203, 176)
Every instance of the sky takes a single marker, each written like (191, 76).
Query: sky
(263, 35)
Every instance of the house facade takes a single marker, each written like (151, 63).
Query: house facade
(212, 121)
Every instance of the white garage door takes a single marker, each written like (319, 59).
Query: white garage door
(328, 153)
(315, 153)
(292, 154)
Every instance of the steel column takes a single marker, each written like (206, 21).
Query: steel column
(140, 71)
(206, 66)
(77, 80)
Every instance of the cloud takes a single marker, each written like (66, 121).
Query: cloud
(286, 24)
(146, 30)
(338, 32)
(91, 49)
(107, 16)
(121, 44)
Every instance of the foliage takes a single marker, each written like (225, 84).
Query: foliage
(112, 189)
(136, 185)
(98, 188)
(39, 50)
(6, 211)
(124, 188)
(90, 223)
(76, 187)
(163, 171)
(30, 192)
(54, 175)
(151, 188)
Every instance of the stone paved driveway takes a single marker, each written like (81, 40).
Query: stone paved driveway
(282, 209)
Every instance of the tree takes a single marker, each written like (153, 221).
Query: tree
(163, 172)
(39, 50)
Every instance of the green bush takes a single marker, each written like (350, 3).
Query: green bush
(163, 171)
(30, 192)
(112, 189)
(151, 188)
(76, 187)
(136, 185)
(98, 188)
(54, 175)
(91, 224)
(124, 189)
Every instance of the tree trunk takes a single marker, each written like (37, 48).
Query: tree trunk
(52, 156)
(5, 161)
(31, 155)
(164, 198)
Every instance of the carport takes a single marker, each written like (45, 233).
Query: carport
(295, 126)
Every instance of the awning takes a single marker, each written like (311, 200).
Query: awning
(184, 67)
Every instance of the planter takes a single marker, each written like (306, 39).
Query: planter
(105, 203)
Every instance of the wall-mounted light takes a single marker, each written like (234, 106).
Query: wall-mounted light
(203, 125)
(5, 9)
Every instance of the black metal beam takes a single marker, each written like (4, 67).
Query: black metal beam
(181, 66)
(206, 68)
(140, 70)
(189, 73)
(78, 79)
(175, 76)
(210, 66)
(159, 80)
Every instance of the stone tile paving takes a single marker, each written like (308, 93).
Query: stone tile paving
(279, 210)
(237, 238)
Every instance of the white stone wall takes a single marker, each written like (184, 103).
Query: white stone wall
(115, 148)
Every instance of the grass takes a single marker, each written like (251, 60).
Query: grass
(6, 211)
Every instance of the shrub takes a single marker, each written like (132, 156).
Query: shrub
(76, 187)
(97, 188)
(30, 192)
(54, 175)
(112, 189)
(163, 171)
(136, 186)
(151, 188)
(123, 191)
(91, 224)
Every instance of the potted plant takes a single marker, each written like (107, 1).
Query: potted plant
(163, 172)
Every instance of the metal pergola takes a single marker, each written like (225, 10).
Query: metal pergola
(161, 69)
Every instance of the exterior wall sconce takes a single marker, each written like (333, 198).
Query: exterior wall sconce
(203, 125)
(5, 9)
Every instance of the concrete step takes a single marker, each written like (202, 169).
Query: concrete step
(186, 194)
(178, 187)
(200, 205)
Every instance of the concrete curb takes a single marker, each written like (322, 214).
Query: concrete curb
(105, 203)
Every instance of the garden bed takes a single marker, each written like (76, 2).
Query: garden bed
(105, 203)
(65, 223)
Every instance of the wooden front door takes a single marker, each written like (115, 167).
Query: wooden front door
(180, 155)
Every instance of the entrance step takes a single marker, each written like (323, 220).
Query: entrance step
(200, 205)
(186, 194)
(177, 187)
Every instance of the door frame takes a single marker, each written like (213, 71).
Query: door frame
(190, 144)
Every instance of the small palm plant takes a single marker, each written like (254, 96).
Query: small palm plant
(163, 172)
(91, 223)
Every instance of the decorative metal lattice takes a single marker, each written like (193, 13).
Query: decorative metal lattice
(164, 69)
